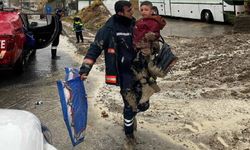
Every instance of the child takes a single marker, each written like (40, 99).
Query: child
(146, 36)
(78, 28)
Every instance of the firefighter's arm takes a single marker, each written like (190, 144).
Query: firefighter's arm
(93, 53)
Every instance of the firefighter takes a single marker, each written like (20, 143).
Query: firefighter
(115, 38)
(59, 14)
(78, 28)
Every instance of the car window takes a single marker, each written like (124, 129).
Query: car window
(38, 20)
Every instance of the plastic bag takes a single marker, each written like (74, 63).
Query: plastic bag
(74, 105)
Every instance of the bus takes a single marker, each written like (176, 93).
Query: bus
(205, 10)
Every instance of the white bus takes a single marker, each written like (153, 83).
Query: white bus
(206, 10)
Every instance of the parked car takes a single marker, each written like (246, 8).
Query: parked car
(22, 130)
(21, 35)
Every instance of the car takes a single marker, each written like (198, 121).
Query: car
(22, 130)
(21, 34)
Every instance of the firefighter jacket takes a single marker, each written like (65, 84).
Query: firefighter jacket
(115, 39)
(77, 26)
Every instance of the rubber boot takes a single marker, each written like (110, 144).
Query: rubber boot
(53, 53)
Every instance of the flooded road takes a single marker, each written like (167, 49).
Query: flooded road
(22, 91)
(38, 84)
(194, 28)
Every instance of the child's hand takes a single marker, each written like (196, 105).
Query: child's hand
(150, 36)
(146, 51)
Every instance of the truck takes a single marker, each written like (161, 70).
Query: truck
(205, 10)
(21, 35)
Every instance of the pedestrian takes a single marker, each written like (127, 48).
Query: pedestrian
(78, 28)
(146, 42)
(55, 43)
(116, 39)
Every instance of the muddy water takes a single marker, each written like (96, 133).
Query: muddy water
(38, 83)
(41, 73)
(194, 28)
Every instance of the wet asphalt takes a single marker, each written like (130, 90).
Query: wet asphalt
(41, 72)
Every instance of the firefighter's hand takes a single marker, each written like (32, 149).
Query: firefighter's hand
(150, 36)
(85, 68)
(83, 77)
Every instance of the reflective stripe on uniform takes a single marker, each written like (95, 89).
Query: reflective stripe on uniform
(54, 47)
(128, 125)
(128, 122)
(123, 33)
(111, 79)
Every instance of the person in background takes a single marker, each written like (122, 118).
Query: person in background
(155, 10)
(78, 28)
(55, 43)
(115, 38)
(146, 43)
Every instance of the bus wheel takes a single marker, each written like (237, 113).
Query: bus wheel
(207, 16)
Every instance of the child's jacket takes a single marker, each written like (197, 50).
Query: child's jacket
(145, 25)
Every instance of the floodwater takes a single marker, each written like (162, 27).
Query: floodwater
(194, 28)
(38, 82)
(42, 71)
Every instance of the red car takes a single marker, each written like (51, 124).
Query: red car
(21, 34)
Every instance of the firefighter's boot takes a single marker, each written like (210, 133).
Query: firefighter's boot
(147, 91)
(130, 142)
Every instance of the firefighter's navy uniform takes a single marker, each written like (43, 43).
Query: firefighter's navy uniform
(115, 38)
